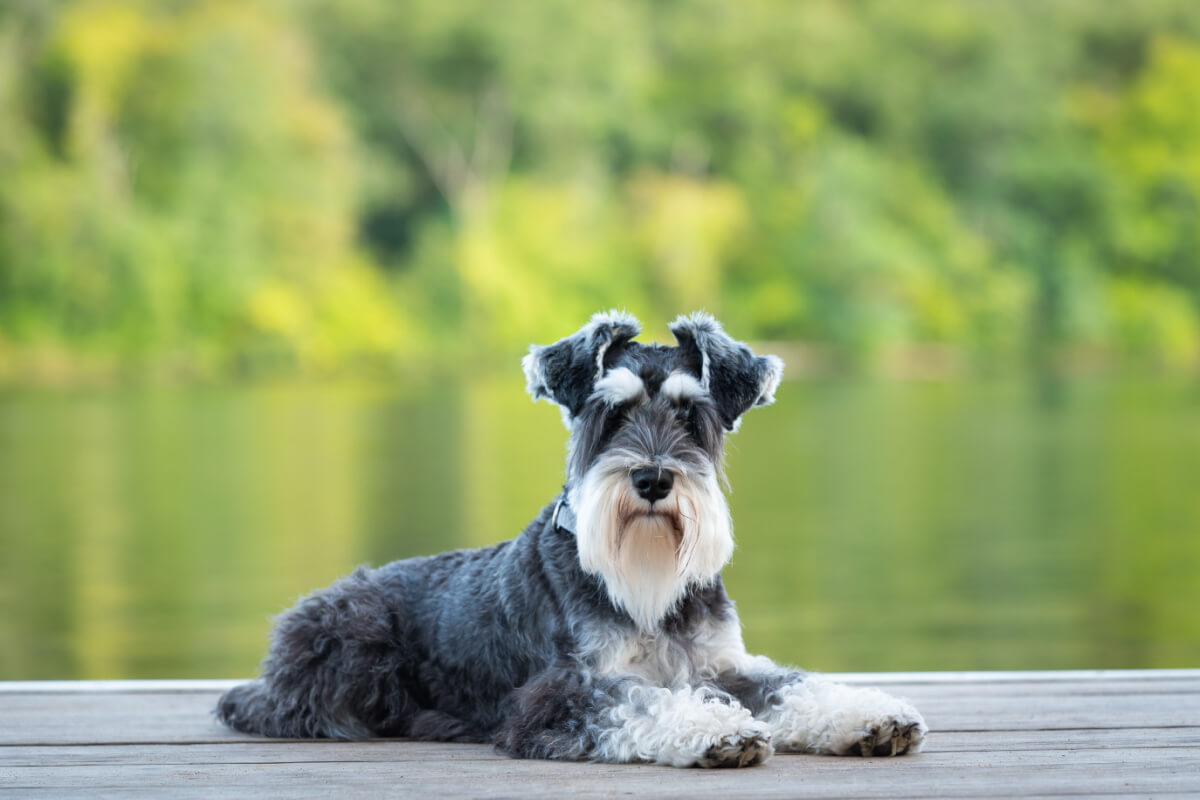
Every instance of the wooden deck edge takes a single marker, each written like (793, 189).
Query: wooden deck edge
(1016, 676)
(875, 678)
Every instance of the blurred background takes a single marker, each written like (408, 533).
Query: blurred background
(267, 271)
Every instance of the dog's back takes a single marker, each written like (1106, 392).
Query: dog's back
(426, 647)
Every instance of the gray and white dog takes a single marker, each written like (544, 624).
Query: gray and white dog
(603, 631)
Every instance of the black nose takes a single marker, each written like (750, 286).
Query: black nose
(653, 483)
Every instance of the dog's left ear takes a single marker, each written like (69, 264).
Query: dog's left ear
(735, 378)
(566, 372)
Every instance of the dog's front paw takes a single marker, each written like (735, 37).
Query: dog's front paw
(893, 737)
(684, 728)
(742, 749)
(876, 724)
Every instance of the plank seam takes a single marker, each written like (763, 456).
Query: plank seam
(302, 742)
(882, 678)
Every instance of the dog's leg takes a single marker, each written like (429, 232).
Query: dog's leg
(567, 714)
(807, 713)
(334, 670)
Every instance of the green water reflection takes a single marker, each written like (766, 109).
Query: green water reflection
(948, 525)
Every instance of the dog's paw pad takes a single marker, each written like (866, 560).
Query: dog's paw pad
(738, 750)
(893, 732)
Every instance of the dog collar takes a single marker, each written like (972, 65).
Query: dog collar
(564, 517)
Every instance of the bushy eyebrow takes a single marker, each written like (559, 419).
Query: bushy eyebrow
(619, 386)
(681, 386)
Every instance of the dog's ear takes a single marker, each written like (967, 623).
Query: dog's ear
(566, 372)
(734, 377)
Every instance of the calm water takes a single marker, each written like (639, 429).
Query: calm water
(954, 525)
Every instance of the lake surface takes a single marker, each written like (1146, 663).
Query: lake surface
(152, 533)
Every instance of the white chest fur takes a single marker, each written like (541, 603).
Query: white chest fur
(668, 660)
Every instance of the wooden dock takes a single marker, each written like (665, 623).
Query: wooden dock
(1043, 734)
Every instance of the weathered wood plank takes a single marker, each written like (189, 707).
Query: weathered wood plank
(1048, 734)
(927, 775)
(394, 751)
(113, 717)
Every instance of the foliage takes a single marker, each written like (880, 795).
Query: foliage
(211, 186)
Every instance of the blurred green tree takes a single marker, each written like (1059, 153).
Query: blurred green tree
(323, 186)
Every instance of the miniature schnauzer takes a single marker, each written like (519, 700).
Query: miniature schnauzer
(602, 632)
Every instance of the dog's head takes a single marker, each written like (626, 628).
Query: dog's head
(644, 469)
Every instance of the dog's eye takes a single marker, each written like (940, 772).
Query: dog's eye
(685, 412)
(619, 411)
(613, 420)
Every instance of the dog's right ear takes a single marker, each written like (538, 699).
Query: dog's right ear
(566, 372)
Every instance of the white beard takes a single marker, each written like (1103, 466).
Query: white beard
(648, 560)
